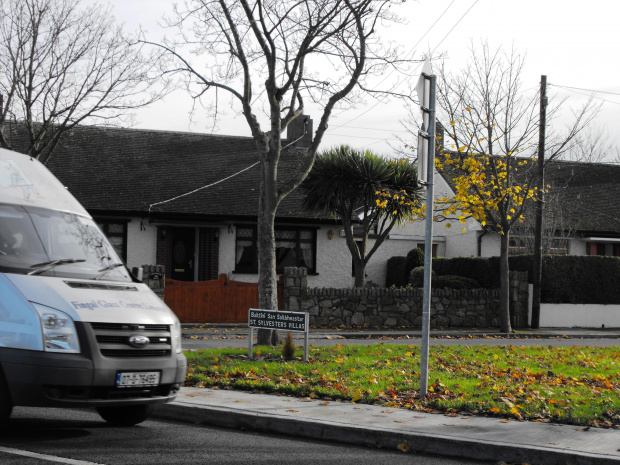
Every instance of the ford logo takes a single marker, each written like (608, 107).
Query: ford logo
(139, 341)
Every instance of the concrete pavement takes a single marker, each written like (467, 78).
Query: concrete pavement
(484, 438)
(476, 437)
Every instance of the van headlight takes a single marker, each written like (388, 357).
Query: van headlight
(176, 336)
(59, 334)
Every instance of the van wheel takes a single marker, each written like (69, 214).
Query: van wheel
(127, 415)
(6, 406)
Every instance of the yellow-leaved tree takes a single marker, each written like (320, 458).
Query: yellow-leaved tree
(491, 143)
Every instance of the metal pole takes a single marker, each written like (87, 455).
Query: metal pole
(537, 271)
(250, 337)
(428, 241)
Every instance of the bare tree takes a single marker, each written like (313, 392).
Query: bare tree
(272, 57)
(61, 65)
(593, 146)
(492, 128)
(557, 226)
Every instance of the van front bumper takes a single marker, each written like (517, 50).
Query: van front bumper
(73, 380)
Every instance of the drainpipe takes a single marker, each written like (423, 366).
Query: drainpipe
(480, 242)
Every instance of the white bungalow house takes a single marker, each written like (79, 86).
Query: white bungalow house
(189, 202)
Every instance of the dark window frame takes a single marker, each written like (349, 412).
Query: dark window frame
(250, 262)
(434, 249)
(105, 223)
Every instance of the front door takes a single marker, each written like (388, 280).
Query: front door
(183, 246)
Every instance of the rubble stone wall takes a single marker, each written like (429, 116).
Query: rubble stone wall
(402, 307)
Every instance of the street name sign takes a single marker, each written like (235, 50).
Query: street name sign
(278, 320)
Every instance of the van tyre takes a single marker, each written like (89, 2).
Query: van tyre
(6, 406)
(126, 415)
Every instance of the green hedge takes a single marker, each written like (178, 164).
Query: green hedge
(580, 280)
(485, 270)
(416, 279)
(566, 279)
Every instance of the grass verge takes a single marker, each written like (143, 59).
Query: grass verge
(575, 385)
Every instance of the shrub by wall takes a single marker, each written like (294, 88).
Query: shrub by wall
(580, 280)
(566, 278)
(415, 259)
(395, 273)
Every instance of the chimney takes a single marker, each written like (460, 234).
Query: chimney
(299, 131)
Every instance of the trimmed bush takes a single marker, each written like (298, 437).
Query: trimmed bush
(416, 279)
(415, 258)
(484, 270)
(454, 282)
(395, 274)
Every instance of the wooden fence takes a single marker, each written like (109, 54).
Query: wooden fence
(217, 301)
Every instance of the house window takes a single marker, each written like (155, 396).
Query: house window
(524, 245)
(595, 248)
(517, 246)
(434, 248)
(294, 247)
(358, 230)
(559, 247)
(116, 232)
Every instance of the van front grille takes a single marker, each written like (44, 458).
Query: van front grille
(115, 340)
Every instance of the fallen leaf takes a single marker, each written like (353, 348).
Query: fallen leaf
(292, 410)
(404, 447)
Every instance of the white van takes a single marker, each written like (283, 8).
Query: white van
(76, 328)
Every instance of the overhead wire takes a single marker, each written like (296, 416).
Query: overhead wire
(413, 49)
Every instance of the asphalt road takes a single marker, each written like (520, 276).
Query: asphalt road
(79, 437)
(212, 338)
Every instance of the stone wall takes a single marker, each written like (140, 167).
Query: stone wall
(401, 307)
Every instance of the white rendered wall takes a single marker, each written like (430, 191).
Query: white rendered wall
(579, 316)
(141, 243)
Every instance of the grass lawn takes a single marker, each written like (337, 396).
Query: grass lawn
(577, 385)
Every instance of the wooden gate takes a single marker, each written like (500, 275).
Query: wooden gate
(218, 301)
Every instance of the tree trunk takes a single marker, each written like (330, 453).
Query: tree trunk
(504, 284)
(267, 277)
(359, 267)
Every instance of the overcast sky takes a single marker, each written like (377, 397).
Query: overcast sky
(575, 43)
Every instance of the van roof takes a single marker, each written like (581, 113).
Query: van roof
(26, 181)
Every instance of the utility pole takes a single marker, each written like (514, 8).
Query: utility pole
(540, 199)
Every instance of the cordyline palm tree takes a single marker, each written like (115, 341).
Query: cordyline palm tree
(355, 185)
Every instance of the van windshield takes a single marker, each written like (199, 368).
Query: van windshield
(52, 243)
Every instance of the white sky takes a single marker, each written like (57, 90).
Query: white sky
(575, 43)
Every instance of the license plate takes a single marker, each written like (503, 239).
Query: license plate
(139, 378)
